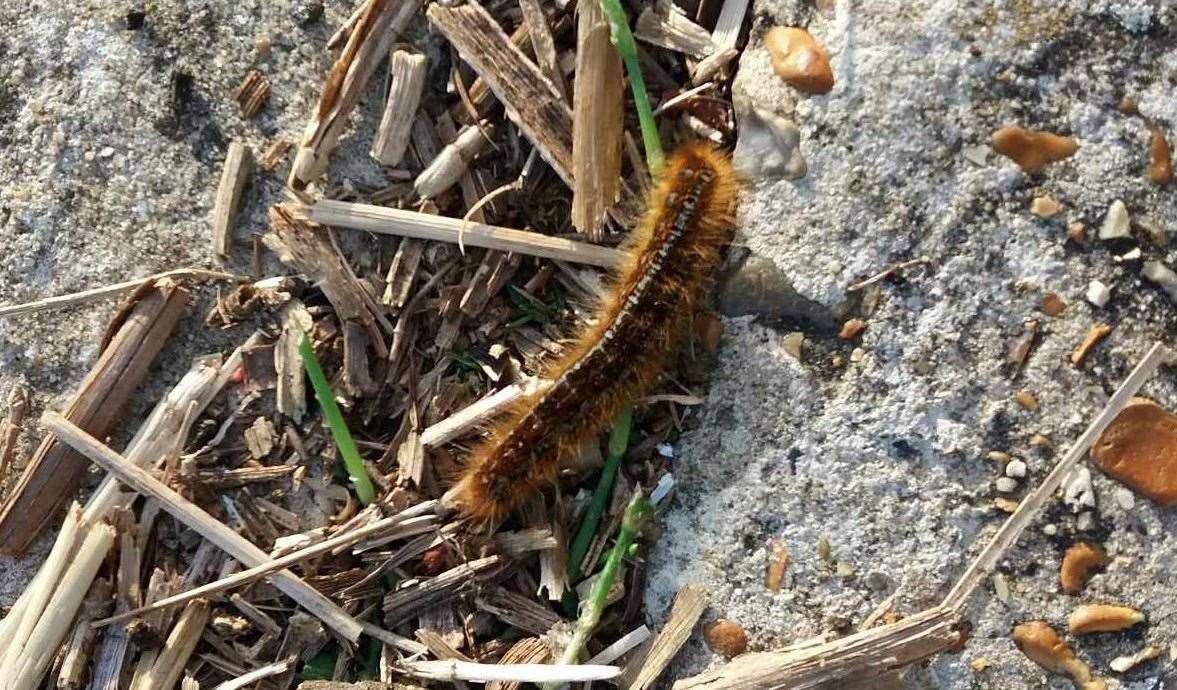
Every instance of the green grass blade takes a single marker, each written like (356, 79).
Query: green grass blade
(343, 440)
(618, 441)
(623, 41)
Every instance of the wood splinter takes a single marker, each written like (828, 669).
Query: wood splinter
(238, 166)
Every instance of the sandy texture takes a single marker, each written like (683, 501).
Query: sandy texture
(886, 457)
(113, 139)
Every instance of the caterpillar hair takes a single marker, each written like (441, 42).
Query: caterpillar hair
(671, 258)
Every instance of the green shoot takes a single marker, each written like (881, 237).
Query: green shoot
(618, 440)
(623, 41)
(343, 440)
(636, 514)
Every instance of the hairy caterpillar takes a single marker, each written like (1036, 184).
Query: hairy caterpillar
(671, 257)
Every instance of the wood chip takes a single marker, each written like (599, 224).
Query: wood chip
(18, 405)
(1097, 333)
(689, 603)
(234, 176)
(253, 94)
(529, 650)
(668, 27)
(275, 152)
(406, 83)
(598, 123)
(407, 601)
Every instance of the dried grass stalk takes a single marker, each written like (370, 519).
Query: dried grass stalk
(667, 27)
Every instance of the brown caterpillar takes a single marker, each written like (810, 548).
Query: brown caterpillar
(671, 258)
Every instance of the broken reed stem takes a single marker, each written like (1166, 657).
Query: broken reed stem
(471, 416)
(1017, 523)
(518, 673)
(261, 570)
(618, 441)
(257, 674)
(108, 291)
(334, 418)
(423, 226)
(206, 525)
(635, 516)
(623, 39)
(171, 659)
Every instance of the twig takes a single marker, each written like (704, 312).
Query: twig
(257, 674)
(261, 570)
(471, 416)
(391, 221)
(108, 291)
(334, 419)
(522, 673)
(890, 271)
(1017, 523)
(209, 527)
(621, 647)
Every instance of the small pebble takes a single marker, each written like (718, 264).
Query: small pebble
(1160, 159)
(1162, 275)
(665, 450)
(726, 638)
(1044, 206)
(1041, 441)
(1001, 588)
(1042, 645)
(1032, 150)
(1124, 498)
(1125, 663)
(851, 329)
(857, 355)
(1094, 335)
(769, 145)
(1133, 254)
(977, 155)
(998, 456)
(1117, 223)
(792, 342)
(823, 549)
(1153, 231)
(1007, 485)
(1139, 450)
(1079, 493)
(799, 59)
(1052, 304)
(844, 570)
(1078, 562)
(979, 664)
(1004, 504)
(1016, 469)
(1098, 294)
(1026, 400)
(1077, 232)
(1050, 530)
(1085, 522)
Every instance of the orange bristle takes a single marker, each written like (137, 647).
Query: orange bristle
(671, 258)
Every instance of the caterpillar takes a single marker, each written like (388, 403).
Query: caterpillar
(671, 257)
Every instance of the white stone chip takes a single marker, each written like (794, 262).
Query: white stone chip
(1007, 485)
(1116, 223)
(1124, 498)
(1098, 294)
(1086, 521)
(1016, 469)
(1079, 493)
(1162, 275)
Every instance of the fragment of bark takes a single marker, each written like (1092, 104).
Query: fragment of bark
(518, 611)
(667, 27)
(368, 41)
(234, 176)
(76, 661)
(406, 83)
(300, 246)
(529, 650)
(357, 375)
(137, 333)
(275, 152)
(452, 161)
(192, 516)
(170, 661)
(597, 125)
(543, 45)
(407, 601)
(291, 391)
(18, 405)
(444, 621)
(641, 673)
(532, 102)
(402, 270)
(252, 94)
(153, 625)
